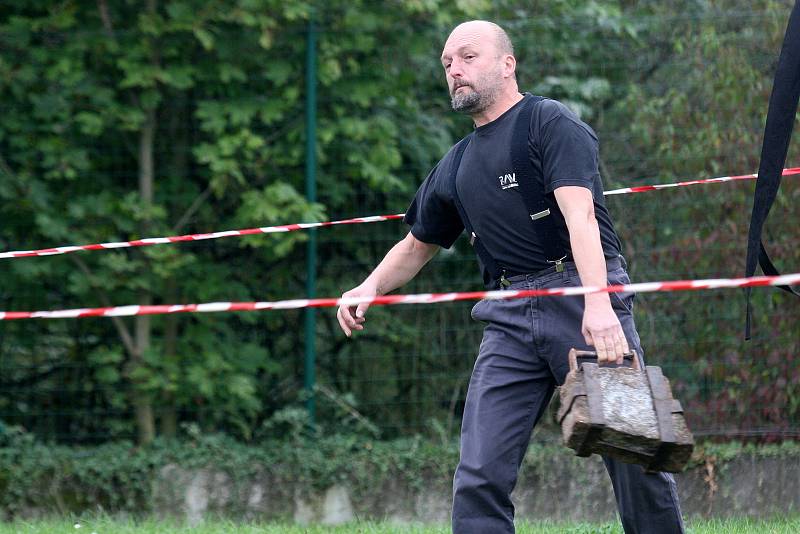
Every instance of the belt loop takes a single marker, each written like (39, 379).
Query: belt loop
(571, 270)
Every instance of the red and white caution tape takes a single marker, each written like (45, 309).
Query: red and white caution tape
(195, 237)
(304, 226)
(645, 188)
(385, 300)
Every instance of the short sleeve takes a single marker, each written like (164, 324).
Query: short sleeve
(569, 153)
(432, 215)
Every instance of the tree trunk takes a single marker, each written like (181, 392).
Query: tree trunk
(142, 402)
(169, 411)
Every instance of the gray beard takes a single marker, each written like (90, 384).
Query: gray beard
(474, 101)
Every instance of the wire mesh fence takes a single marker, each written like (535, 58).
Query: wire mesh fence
(672, 96)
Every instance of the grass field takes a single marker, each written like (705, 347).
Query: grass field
(110, 526)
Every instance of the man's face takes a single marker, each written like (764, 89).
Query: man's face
(473, 69)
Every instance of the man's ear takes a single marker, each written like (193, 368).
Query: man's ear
(509, 65)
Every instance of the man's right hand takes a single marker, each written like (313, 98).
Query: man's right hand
(400, 265)
(352, 317)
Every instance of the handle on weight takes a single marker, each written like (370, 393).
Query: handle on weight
(574, 354)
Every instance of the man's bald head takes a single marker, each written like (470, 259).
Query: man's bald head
(501, 40)
(479, 65)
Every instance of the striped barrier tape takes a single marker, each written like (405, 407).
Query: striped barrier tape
(304, 226)
(385, 300)
(195, 237)
(644, 188)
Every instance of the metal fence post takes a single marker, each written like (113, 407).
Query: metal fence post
(311, 196)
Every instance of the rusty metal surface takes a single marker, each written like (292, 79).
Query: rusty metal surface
(627, 404)
(624, 412)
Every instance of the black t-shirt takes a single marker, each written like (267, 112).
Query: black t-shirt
(563, 151)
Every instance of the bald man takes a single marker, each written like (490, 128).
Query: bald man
(525, 185)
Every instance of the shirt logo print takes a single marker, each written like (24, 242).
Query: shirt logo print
(507, 181)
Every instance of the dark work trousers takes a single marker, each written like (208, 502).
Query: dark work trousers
(522, 357)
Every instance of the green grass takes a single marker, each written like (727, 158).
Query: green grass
(153, 526)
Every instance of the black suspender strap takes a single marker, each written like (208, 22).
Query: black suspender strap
(777, 134)
(493, 271)
(533, 196)
(532, 193)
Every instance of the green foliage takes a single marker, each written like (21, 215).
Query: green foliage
(698, 112)
(121, 477)
(124, 121)
(213, 94)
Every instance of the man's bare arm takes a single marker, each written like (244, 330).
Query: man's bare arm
(601, 327)
(401, 264)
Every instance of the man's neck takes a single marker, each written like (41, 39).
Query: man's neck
(503, 104)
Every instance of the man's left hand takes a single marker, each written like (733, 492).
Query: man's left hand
(602, 330)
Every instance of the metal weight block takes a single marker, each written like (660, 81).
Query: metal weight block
(623, 412)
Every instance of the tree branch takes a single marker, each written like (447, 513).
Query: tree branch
(105, 16)
(202, 197)
(122, 329)
(355, 414)
(189, 213)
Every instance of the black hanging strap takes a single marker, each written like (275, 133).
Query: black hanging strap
(532, 192)
(777, 134)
